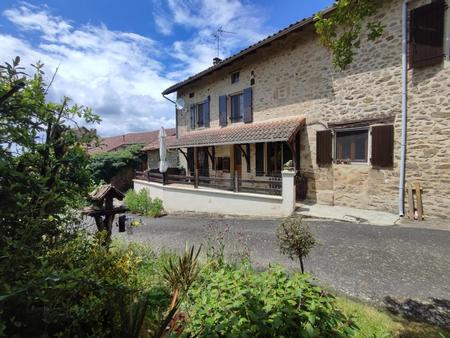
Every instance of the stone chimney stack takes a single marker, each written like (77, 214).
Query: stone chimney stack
(216, 61)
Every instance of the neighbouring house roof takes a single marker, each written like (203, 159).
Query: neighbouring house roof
(113, 143)
(278, 35)
(155, 144)
(276, 130)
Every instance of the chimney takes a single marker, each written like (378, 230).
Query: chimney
(216, 61)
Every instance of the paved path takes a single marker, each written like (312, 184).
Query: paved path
(364, 261)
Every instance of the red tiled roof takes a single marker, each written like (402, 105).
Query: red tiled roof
(280, 34)
(112, 143)
(155, 144)
(276, 130)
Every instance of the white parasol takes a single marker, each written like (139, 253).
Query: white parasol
(163, 165)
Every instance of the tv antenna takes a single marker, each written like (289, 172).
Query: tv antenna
(218, 35)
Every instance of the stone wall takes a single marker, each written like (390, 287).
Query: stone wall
(295, 77)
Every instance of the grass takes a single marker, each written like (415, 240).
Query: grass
(375, 323)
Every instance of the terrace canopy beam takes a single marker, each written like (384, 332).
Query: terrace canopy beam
(246, 153)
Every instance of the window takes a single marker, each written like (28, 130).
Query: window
(226, 164)
(219, 163)
(427, 34)
(235, 77)
(237, 107)
(352, 145)
(259, 159)
(274, 151)
(200, 114)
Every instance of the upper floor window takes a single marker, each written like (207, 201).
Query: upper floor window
(352, 145)
(427, 34)
(237, 107)
(200, 114)
(235, 77)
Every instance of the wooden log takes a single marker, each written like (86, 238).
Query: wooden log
(410, 212)
(419, 201)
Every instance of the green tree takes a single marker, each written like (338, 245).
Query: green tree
(295, 238)
(342, 29)
(43, 175)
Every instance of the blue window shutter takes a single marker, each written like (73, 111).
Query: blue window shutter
(248, 107)
(192, 116)
(206, 110)
(223, 110)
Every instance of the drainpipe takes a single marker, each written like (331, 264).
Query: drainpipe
(401, 204)
(176, 114)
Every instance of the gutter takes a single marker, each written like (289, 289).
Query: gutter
(176, 114)
(401, 187)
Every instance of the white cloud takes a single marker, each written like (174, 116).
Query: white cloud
(120, 74)
(244, 20)
(115, 73)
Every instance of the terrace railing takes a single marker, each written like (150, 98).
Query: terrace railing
(269, 185)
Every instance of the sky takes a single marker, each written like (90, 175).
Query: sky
(118, 56)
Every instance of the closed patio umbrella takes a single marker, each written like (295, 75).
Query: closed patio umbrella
(163, 164)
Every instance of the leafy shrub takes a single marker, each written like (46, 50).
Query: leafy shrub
(141, 203)
(104, 166)
(231, 302)
(295, 238)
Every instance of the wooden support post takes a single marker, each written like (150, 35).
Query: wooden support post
(195, 167)
(196, 178)
(236, 181)
(164, 178)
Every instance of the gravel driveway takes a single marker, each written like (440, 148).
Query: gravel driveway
(363, 261)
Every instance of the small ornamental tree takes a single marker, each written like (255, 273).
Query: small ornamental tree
(295, 239)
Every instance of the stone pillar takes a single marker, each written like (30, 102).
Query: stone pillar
(288, 191)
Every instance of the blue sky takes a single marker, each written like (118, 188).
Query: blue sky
(118, 56)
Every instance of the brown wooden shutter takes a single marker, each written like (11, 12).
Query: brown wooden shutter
(324, 147)
(248, 106)
(427, 34)
(192, 116)
(383, 146)
(223, 110)
(206, 117)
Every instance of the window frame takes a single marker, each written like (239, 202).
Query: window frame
(235, 77)
(241, 107)
(196, 114)
(344, 161)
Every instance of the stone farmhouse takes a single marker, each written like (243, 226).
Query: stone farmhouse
(358, 137)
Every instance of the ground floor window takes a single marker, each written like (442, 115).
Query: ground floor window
(352, 145)
(278, 153)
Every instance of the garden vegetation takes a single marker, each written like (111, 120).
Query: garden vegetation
(60, 280)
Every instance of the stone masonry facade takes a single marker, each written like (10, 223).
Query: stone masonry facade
(295, 76)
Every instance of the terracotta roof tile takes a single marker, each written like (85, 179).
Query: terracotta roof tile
(155, 144)
(266, 131)
(112, 143)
